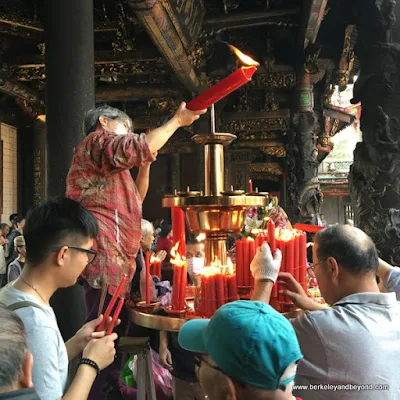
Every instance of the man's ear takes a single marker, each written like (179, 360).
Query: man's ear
(60, 255)
(334, 268)
(25, 380)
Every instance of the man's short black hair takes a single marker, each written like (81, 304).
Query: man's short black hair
(13, 217)
(352, 249)
(13, 348)
(93, 115)
(50, 224)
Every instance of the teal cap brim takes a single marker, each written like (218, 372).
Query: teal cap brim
(191, 335)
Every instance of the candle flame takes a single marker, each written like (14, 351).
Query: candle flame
(286, 234)
(250, 239)
(200, 237)
(243, 58)
(176, 258)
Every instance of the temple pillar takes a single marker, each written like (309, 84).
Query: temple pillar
(302, 146)
(375, 174)
(69, 95)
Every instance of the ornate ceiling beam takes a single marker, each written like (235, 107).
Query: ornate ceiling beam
(257, 121)
(19, 90)
(101, 57)
(30, 29)
(136, 93)
(173, 26)
(244, 20)
(314, 12)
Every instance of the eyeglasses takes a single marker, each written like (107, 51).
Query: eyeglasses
(311, 268)
(91, 254)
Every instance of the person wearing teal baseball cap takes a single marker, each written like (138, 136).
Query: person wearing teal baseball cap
(247, 350)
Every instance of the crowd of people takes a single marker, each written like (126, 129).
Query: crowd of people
(344, 349)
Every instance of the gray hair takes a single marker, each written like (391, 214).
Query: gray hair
(13, 348)
(93, 115)
(147, 227)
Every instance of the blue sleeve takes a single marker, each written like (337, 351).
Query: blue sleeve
(393, 282)
(43, 344)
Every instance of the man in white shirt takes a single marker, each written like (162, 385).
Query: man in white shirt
(352, 349)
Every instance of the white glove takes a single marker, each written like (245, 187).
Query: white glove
(264, 266)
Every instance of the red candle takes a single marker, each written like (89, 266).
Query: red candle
(240, 262)
(148, 276)
(296, 257)
(220, 291)
(252, 252)
(224, 87)
(290, 256)
(178, 229)
(250, 186)
(246, 263)
(303, 260)
(176, 287)
(115, 317)
(210, 296)
(232, 288)
(271, 235)
(111, 305)
(182, 295)
(282, 247)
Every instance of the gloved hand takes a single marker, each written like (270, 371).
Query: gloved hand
(264, 266)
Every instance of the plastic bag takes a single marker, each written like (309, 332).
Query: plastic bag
(162, 377)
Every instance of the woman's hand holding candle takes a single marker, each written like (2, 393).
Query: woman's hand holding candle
(264, 266)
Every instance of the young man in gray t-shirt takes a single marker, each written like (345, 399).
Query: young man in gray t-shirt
(58, 235)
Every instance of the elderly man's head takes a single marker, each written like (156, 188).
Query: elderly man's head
(147, 235)
(345, 260)
(247, 351)
(16, 362)
(109, 119)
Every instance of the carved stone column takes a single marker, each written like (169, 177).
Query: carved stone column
(303, 148)
(375, 175)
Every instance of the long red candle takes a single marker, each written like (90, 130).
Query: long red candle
(178, 229)
(252, 252)
(115, 317)
(232, 288)
(271, 235)
(227, 85)
(111, 305)
(220, 291)
(239, 262)
(176, 287)
(246, 263)
(303, 260)
(148, 276)
(183, 279)
(297, 258)
(290, 256)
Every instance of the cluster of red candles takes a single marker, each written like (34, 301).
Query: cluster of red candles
(180, 279)
(245, 251)
(110, 307)
(218, 287)
(293, 245)
(155, 266)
